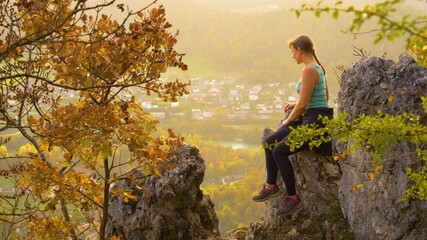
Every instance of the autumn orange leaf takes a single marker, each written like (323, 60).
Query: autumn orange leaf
(357, 187)
(372, 176)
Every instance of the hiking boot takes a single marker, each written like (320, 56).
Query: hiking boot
(289, 205)
(266, 193)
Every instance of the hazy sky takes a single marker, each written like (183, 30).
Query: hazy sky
(244, 28)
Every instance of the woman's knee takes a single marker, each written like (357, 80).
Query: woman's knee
(281, 150)
(276, 137)
(271, 141)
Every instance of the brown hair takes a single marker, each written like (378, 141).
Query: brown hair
(304, 43)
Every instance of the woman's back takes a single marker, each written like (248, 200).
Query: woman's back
(319, 95)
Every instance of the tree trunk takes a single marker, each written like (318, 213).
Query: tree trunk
(105, 203)
(67, 218)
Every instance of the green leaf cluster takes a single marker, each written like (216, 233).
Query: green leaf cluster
(419, 189)
(377, 134)
(391, 23)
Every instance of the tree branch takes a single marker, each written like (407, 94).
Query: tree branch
(53, 83)
(383, 17)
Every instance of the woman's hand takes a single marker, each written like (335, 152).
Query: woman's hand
(284, 122)
(289, 106)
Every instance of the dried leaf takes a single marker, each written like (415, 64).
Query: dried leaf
(64, 164)
(358, 186)
(378, 168)
(372, 176)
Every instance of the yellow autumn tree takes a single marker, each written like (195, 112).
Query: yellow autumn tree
(51, 50)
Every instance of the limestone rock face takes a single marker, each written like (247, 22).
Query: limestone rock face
(168, 207)
(368, 84)
(375, 212)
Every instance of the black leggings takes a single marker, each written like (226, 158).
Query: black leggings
(277, 152)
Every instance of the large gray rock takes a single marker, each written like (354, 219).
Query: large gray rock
(374, 211)
(368, 84)
(168, 207)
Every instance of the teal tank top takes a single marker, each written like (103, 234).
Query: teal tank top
(318, 97)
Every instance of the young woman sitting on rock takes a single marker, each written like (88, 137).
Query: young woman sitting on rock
(312, 102)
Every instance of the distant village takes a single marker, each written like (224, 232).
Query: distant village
(209, 98)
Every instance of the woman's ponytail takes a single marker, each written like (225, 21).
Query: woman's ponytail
(317, 60)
